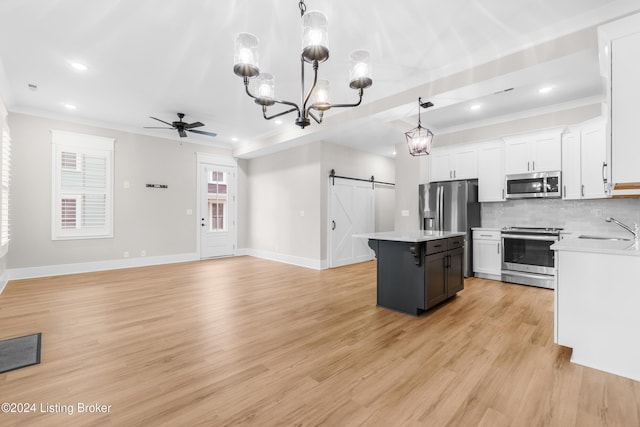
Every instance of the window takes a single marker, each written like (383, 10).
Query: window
(5, 175)
(217, 190)
(82, 193)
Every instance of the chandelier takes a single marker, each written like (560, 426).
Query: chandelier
(315, 50)
(419, 139)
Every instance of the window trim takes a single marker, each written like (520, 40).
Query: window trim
(5, 184)
(92, 145)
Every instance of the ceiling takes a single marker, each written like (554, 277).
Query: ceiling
(149, 58)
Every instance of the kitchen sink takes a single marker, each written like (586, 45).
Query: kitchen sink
(620, 239)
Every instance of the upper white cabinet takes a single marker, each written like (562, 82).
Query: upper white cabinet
(452, 163)
(535, 152)
(491, 171)
(620, 62)
(584, 158)
(571, 179)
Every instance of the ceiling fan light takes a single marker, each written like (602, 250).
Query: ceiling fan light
(419, 141)
(321, 96)
(245, 58)
(315, 36)
(266, 89)
(360, 69)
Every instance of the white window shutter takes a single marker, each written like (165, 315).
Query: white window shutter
(82, 192)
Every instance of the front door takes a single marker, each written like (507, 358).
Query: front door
(216, 210)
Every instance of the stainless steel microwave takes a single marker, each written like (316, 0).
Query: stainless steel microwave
(533, 185)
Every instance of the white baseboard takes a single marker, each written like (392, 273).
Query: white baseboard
(87, 267)
(284, 258)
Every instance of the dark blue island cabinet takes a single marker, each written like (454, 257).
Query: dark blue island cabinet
(418, 270)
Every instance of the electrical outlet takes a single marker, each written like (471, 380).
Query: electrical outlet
(126, 184)
(189, 211)
(126, 254)
(596, 212)
(404, 213)
(301, 213)
(143, 253)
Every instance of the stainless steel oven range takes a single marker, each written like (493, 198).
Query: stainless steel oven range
(526, 255)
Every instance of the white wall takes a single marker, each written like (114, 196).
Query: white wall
(287, 199)
(284, 205)
(153, 220)
(410, 173)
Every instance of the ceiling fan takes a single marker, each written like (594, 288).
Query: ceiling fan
(182, 127)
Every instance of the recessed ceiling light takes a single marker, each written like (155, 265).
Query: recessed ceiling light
(475, 107)
(234, 139)
(278, 122)
(545, 89)
(69, 106)
(78, 66)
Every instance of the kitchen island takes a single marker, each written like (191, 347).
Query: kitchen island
(417, 269)
(596, 302)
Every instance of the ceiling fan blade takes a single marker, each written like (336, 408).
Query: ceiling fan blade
(166, 123)
(193, 125)
(182, 133)
(155, 127)
(203, 132)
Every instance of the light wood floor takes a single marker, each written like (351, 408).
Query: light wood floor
(243, 341)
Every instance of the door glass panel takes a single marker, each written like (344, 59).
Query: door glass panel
(217, 184)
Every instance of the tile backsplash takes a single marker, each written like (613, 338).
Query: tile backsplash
(572, 215)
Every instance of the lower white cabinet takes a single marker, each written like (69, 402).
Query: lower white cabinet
(487, 254)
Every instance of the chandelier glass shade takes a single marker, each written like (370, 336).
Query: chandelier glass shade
(315, 50)
(420, 139)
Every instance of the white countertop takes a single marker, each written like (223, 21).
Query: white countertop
(486, 229)
(414, 236)
(611, 247)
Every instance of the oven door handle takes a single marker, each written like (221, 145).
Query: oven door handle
(530, 237)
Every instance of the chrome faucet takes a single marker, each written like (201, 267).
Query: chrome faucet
(635, 231)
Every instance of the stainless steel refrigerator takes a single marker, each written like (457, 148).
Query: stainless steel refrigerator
(451, 206)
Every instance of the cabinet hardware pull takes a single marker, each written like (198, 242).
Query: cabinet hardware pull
(534, 166)
(498, 248)
(565, 191)
(582, 190)
(485, 235)
(450, 174)
(604, 178)
(454, 173)
(503, 194)
(333, 225)
(527, 166)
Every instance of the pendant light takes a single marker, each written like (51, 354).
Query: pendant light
(419, 139)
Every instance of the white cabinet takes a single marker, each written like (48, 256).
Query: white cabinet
(440, 165)
(620, 61)
(593, 159)
(491, 172)
(584, 160)
(535, 152)
(487, 257)
(452, 163)
(571, 179)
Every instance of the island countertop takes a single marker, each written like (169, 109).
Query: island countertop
(413, 236)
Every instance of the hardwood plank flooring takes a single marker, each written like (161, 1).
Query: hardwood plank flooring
(244, 341)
